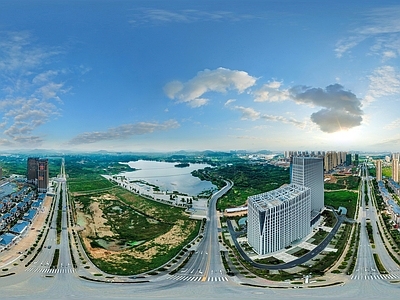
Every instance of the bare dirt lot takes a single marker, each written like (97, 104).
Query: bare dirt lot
(95, 225)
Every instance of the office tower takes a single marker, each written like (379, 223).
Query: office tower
(309, 171)
(278, 218)
(395, 167)
(43, 175)
(32, 172)
(378, 169)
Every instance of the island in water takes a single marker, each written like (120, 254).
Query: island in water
(182, 165)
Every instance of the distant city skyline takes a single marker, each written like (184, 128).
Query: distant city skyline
(199, 75)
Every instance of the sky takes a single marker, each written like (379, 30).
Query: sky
(118, 75)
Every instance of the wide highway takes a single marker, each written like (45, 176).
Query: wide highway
(366, 268)
(205, 263)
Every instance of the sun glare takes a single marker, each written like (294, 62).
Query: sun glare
(343, 137)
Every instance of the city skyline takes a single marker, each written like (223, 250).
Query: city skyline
(199, 75)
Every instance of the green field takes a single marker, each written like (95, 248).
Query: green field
(249, 179)
(346, 199)
(387, 171)
(343, 183)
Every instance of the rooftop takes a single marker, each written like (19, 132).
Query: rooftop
(276, 197)
(19, 227)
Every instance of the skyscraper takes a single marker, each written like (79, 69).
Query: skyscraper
(32, 167)
(356, 161)
(43, 175)
(38, 173)
(348, 159)
(378, 169)
(309, 171)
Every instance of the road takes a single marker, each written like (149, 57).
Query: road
(206, 264)
(366, 268)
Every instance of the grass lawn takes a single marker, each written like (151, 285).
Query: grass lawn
(346, 199)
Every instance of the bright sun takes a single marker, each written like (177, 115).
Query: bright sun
(343, 136)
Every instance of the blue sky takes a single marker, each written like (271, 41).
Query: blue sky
(199, 75)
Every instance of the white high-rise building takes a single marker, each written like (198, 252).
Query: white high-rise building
(378, 170)
(309, 171)
(395, 167)
(278, 218)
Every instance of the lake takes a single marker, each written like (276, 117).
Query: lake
(168, 177)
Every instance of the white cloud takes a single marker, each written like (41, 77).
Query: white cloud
(162, 16)
(30, 90)
(230, 101)
(346, 44)
(285, 120)
(270, 92)
(393, 125)
(248, 113)
(123, 132)
(389, 54)
(382, 26)
(19, 55)
(219, 80)
(384, 81)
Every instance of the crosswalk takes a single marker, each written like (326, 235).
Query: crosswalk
(197, 278)
(376, 276)
(49, 271)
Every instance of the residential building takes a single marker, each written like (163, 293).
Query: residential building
(378, 170)
(38, 173)
(43, 175)
(356, 160)
(32, 174)
(348, 159)
(395, 167)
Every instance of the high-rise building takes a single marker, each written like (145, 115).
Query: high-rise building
(395, 167)
(356, 160)
(278, 218)
(43, 175)
(348, 159)
(309, 171)
(38, 173)
(32, 174)
(378, 170)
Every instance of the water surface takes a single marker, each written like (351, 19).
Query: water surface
(168, 177)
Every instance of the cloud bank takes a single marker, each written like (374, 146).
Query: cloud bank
(29, 91)
(382, 27)
(123, 132)
(341, 108)
(163, 16)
